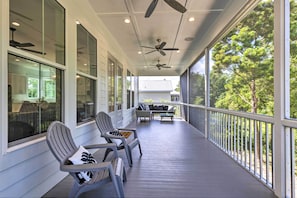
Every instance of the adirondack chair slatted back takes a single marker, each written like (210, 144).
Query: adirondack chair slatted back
(60, 141)
(104, 124)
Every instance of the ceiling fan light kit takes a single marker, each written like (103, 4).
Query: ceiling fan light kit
(159, 48)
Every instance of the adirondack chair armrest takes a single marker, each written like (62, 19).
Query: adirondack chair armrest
(129, 130)
(113, 136)
(112, 146)
(85, 167)
(126, 129)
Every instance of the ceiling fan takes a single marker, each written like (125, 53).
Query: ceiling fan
(159, 48)
(22, 46)
(173, 3)
(160, 66)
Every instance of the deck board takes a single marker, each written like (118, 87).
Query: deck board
(178, 162)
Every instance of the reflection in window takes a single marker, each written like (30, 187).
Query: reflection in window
(197, 82)
(133, 90)
(86, 52)
(37, 26)
(111, 85)
(86, 67)
(85, 99)
(128, 85)
(119, 87)
(30, 109)
(33, 87)
(115, 84)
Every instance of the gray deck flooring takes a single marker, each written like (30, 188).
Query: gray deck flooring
(178, 162)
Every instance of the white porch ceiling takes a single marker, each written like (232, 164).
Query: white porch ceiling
(166, 24)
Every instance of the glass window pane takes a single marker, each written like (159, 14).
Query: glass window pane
(30, 111)
(26, 25)
(86, 93)
(86, 52)
(26, 28)
(111, 85)
(119, 87)
(54, 34)
(128, 85)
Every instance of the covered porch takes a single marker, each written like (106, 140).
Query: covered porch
(178, 161)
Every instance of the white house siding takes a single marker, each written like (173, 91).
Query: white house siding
(30, 170)
(155, 96)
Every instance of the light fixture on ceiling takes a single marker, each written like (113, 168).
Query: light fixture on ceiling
(139, 52)
(189, 38)
(15, 24)
(178, 51)
(191, 19)
(127, 20)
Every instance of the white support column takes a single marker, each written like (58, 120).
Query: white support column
(4, 40)
(281, 90)
(188, 94)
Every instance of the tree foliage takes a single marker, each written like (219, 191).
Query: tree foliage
(243, 64)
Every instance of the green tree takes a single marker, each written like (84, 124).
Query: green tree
(245, 57)
(197, 87)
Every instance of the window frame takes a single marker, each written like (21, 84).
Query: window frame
(86, 102)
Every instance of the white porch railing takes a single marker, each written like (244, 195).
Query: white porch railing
(247, 138)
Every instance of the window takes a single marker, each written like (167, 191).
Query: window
(119, 87)
(111, 85)
(38, 27)
(86, 75)
(128, 85)
(133, 90)
(86, 52)
(115, 84)
(30, 110)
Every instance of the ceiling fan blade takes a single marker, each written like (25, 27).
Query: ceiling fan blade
(176, 5)
(151, 8)
(151, 52)
(147, 47)
(162, 45)
(166, 66)
(26, 45)
(170, 49)
(162, 53)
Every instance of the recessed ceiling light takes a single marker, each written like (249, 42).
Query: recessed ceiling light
(178, 51)
(191, 19)
(15, 23)
(189, 38)
(139, 52)
(127, 20)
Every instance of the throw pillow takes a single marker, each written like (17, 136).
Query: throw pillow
(82, 156)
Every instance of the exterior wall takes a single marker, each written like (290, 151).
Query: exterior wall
(30, 169)
(155, 96)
